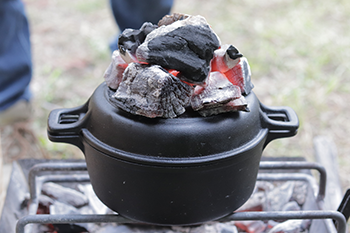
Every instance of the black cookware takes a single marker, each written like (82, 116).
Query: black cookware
(179, 171)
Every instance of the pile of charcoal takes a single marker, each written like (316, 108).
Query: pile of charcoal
(275, 196)
(268, 196)
(160, 70)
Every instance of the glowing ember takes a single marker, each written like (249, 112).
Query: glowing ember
(161, 69)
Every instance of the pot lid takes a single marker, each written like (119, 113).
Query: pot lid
(189, 135)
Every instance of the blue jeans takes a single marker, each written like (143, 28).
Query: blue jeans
(15, 50)
(15, 54)
(133, 13)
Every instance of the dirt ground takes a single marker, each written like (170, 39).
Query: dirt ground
(298, 52)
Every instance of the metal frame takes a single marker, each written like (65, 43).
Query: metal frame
(239, 216)
(300, 165)
(37, 170)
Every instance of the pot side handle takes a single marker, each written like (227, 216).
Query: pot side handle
(281, 122)
(64, 125)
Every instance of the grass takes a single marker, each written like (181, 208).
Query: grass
(298, 52)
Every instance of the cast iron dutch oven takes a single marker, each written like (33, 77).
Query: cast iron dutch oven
(179, 171)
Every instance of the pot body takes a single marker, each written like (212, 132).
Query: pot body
(173, 195)
(181, 171)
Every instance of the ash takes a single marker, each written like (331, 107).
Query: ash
(160, 70)
(267, 196)
(152, 91)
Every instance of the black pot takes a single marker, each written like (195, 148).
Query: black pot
(180, 171)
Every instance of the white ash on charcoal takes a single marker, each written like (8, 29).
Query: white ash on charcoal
(300, 192)
(218, 96)
(265, 186)
(58, 207)
(240, 75)
(169, 19)
(57, 199)
(225, 58)
(215, 228)
(45, 200)
(114, 73)
(279, 197)
(247, 74)
(96, 205)
(187, 51)
(269, 197)
(186, 45)
(152, 91)
(232, 106)
(254, 203)
(275, 196)
(64, 195)
(292, 226)
(218, 91)
(291, 206)
(230, 62)
(64, 200)
(257, 200)
(113, 228)
(212, 227)
(131, 39)
(266, 196)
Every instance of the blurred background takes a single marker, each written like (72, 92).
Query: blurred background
(298, 52)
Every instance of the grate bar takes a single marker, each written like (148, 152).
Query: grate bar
(300, 165)
(290, 176)
(239, 216)
(36, 170)
(67, 219)
(284, 215)
(44, 167)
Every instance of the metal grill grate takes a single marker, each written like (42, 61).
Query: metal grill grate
(61, 171)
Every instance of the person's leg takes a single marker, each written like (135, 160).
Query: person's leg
(133, 13)
(15, 56)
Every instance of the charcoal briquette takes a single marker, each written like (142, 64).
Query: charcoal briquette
(150, 91)
(130, 39)
(187, 46)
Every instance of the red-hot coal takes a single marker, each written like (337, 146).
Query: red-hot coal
(160, 70)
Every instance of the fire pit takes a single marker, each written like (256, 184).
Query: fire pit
(276, 173)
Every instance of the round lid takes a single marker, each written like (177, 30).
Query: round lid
(189, 135)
